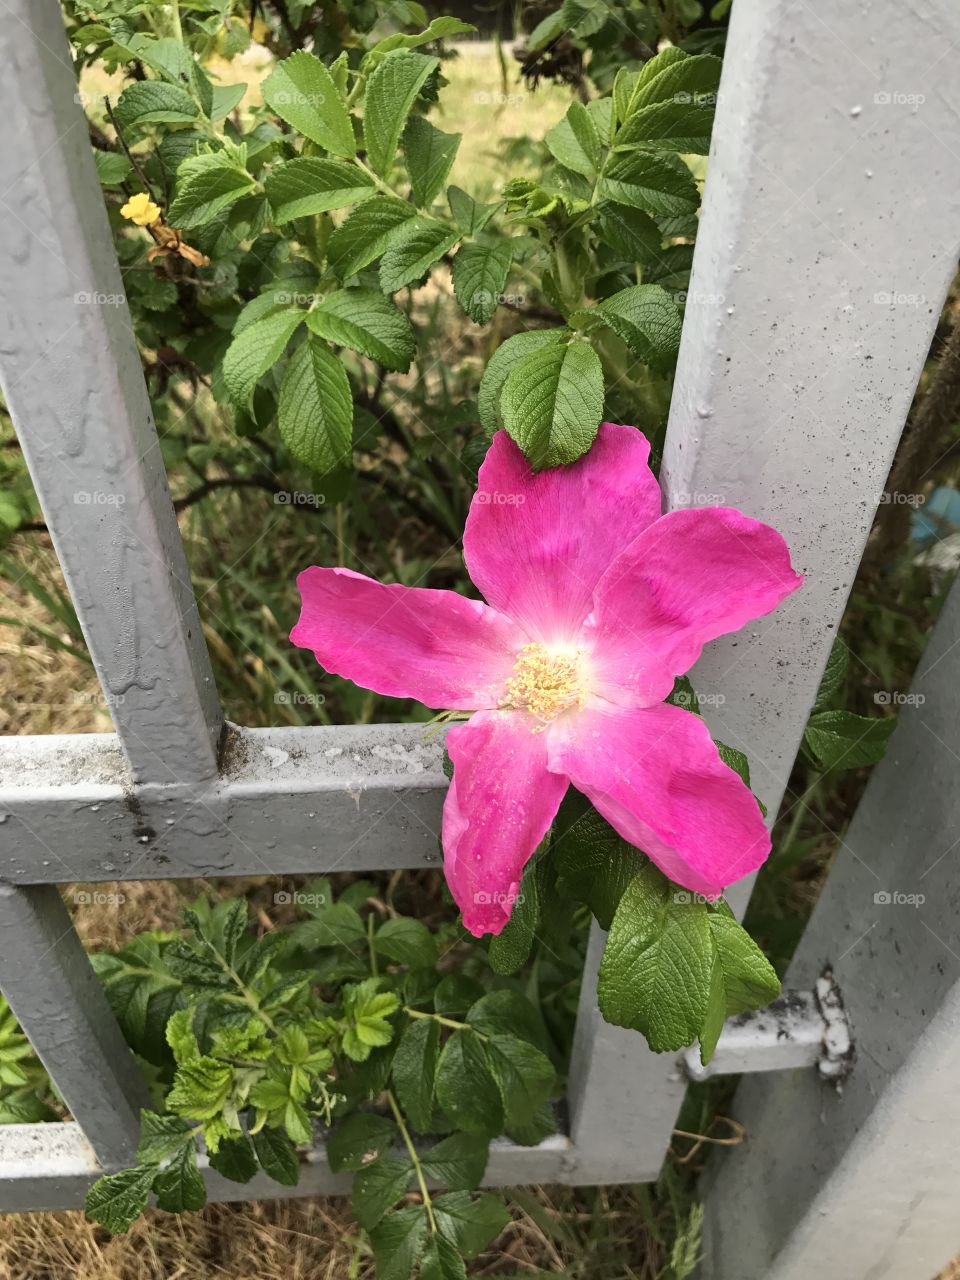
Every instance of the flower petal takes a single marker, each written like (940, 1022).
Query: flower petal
(656, 776)
(693, 575)
(536, 544)
(499, 807)
(406, 642)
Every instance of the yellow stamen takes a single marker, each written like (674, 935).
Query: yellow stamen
(545, 683)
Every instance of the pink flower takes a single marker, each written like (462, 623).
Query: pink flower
(596, 603)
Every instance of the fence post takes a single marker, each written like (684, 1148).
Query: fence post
(828, 238)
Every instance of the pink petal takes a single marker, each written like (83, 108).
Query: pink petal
(693, 575)
(537, 544)
(406, 642)
(499, 807)
(655, 775)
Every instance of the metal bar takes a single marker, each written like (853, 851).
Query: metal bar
(48, 982)
(820, 269)
(864, 1183)
(73, 382)
(288, 801)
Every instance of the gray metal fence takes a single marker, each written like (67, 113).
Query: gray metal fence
(828, 198)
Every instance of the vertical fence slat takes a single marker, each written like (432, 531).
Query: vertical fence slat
(48, 981)
(829, 235)
(73, 382)
(864, 1183)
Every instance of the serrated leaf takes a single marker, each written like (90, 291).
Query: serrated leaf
(552, 403)
(365, 321)
(406, 941)
(479, 275)
(234, 1159)
(680, 80)
(112, 168)
(311, 184)
(161, 1136)
(575, 141)
(469, 216)
(391, 92)
(525, 1075)
(377, 1187)
(315, 411)
(834, 674)
(438, 29)
(301, 91)
(442, 1261)
(500, 364)
(398, 1242)
(358, 1140)
(742, 977)
(429, 153)
(657, 964)
(466, 1088)
(648, 320)
(682, 127)
(595, 864)
(457, 1162)
(415, 1069)
(505, 1012)
(277, 1156)
(470, 1223)
(205, 185)
(118, 1199)
(255, 350)
(843, 740)
(633, 233)
(154, 102)
(510, 949)
(179, 1187)
(412, 250)
(652, 183)
(365, 234)
(200, 1088)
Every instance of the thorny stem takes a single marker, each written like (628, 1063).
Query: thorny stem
(418, 1168)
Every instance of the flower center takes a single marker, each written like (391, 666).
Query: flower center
(545, 683)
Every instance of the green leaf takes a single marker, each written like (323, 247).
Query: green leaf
(412, 250)
(224, 98)
(257, 348)
(301, 91)
(683, 127)
(235, 1159)
(552, 403)
(842, 740)
(656, 969)
(205, 185)
(648, 320)
(575, 141)
(466, 1088)
(655, 184)
(430, 154)
(742, 977)
(315, 413)
(277, 1156)
(458, 1162)
(502, 362)
(161, 1136)
(336, 924)
(525, 1075)
(469, 216)
(377, 1187)
(112, 168)
(200, 1088)
(442, 1261)
(406, 941)
(358, 1140)
(398, 1242)
(365, 234)
(437, 30)
(595, 864)
(365, 321)
(834, 676)
(391, 92)
(506, 1012)
(469, 1223)
(479, 275)
(681, 80)
(633, 233)
(309, 185)
(415, 1069)
(117, 1200)
(154, 102)
(510, 949)
(179, 1187)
